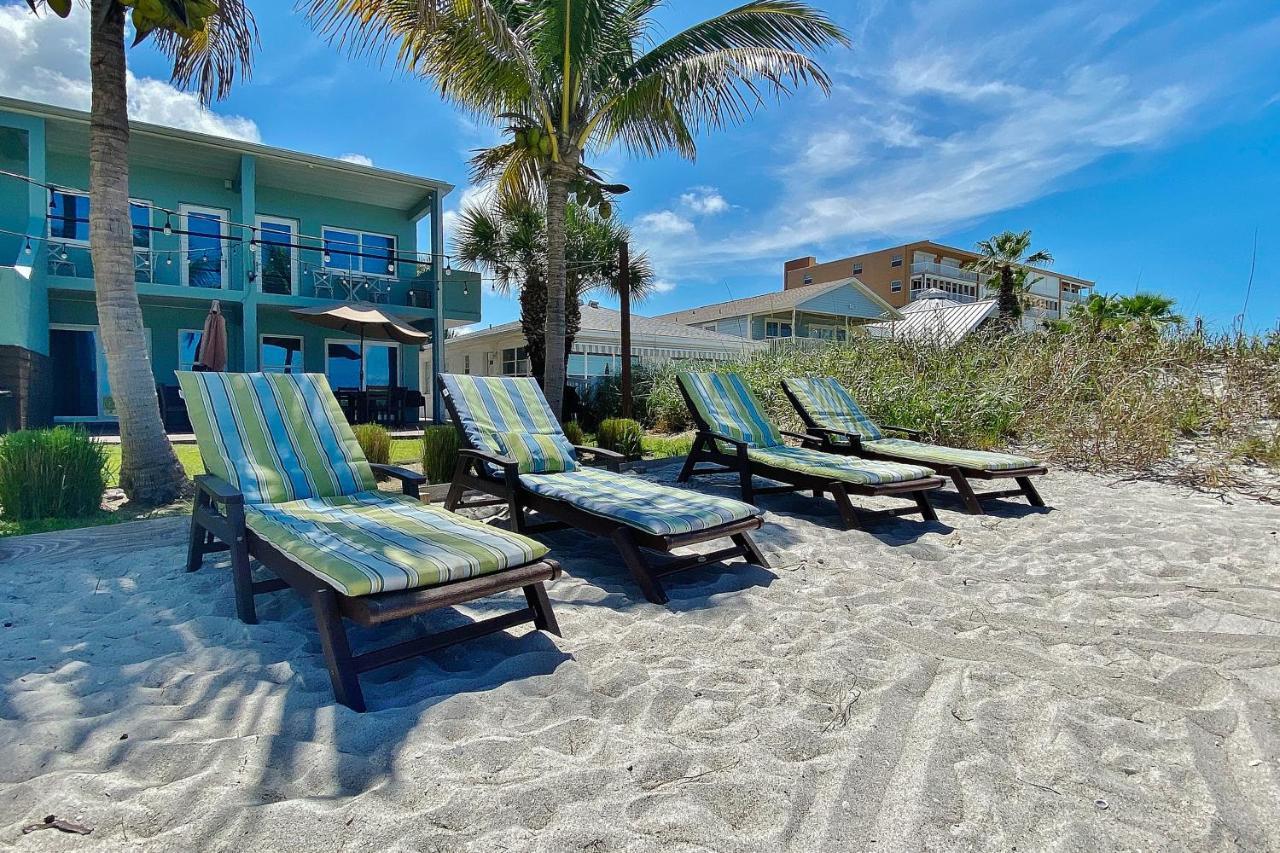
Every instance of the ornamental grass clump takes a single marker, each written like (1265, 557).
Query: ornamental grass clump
(439, 453)
(573, 432)
(51, 473)
(375, 441)
(621, 435)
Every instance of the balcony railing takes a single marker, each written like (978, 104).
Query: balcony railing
(945, 271)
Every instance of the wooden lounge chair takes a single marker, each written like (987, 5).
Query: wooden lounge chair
(503, 418)
(289, 486)
(840, 426)
(735, 435)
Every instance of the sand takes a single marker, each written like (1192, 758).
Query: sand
(1101, 676)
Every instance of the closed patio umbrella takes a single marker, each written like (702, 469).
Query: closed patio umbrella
(366, 321)
(212, 352)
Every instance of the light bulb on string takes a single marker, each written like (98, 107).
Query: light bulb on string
(27, 249)
(168, 226)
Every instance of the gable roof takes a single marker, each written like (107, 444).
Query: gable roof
(609, 321)
(783, 300)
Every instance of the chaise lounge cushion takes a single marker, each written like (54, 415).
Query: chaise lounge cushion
(933, 454)
(726, 404)
(649, 507)
(844, 469)
(373, 542)
(538, 454)
(829, 405)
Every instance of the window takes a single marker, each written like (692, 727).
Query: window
(896, 262)
(808, 279)
(276, 259)
(282, 354)
(777, 329)
(515, 361)
(358, 251)
(342, 364)
(466, 364)
(828, 333)
(188, 347)
(203, 246)
(896, 285)
(69, 219)
(710, 327)
(857, 269)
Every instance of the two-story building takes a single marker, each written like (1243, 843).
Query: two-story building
(260, 229)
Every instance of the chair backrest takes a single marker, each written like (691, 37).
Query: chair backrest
(824, 402)
(485, 407)
(723, 403)
(275, 436)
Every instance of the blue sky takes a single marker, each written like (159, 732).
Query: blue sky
(1138, 140)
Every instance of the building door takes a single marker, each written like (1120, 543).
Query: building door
(204, 246)
(81, 391)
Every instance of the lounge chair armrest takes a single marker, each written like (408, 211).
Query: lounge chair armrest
(410, 481)
(907, 431)
(737, 443)
(610, 458)
(219, 490)
(503, 462)
(826, 434)
(797, 436)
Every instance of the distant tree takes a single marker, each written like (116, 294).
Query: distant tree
(1003, 261)
(1146, 313)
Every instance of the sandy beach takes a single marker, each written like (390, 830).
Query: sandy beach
(1104, 675)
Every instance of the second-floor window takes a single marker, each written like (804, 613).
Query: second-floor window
(69, 219)
(857, 269)
(359, 251)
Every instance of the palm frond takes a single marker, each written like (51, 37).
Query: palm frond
(213, 57)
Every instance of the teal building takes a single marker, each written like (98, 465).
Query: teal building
(261, 230)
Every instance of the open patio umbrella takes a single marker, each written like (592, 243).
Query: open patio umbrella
(212, 352)
(365, 321)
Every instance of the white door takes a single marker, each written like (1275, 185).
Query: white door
(204, 246)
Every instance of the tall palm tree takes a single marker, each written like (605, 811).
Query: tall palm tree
(209, 42)
(573, 77)
(1003, 261)
(509, 238)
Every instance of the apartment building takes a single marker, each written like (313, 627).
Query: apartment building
(901, 274)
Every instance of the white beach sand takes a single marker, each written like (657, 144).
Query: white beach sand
(1102, 676)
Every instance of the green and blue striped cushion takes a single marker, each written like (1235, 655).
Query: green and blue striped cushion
(489, 406)
(649, 507)
(538, 453)
(829, 405)
(934, 454)
(844, 469)
(373, 542)
(276, 437)
(725, 403)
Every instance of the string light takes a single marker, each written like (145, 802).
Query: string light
(168, 225)
(27, 248)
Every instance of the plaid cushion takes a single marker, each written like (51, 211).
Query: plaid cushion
(826, 403)
(845, 469)
(538, 454)
(933, 454)
(726, 405)
(380, 542)
(650, 507)
(275, 436)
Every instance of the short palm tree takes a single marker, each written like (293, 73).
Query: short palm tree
(573, 77)
(1147, 312)
(509, 238)
(1003, 261)
(210, 42)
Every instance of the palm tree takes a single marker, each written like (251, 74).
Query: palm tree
(509, 237)
(573, 77)
(209, 41)
(1148, 313)
(1003, 260)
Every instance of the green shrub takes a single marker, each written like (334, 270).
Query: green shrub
(375, 441)
(573, 432)
(51, 473)
(621, 435)
(439, 453)
(666, 446)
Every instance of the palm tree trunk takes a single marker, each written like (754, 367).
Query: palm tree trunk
(1008, 302)
(533, 320)
(557, 200)
(149, 470)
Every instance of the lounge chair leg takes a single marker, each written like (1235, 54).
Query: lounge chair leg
(337, 652)
(927, 511)
(544, 618)
(241, 576)
(971, 503)
(686, 470)
(198, 537)
(847, 511)
(451, 500)
(1028, 489)
(750, 550)
(744, 481)
(639, 569)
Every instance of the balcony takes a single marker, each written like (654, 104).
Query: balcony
(945, 271)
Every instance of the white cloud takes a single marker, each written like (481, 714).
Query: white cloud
(471, 195)
(706, 201)
(45, 58)
(358, 159)
(666, 222)
(662, 285)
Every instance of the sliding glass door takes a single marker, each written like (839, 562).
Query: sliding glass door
(204, 246)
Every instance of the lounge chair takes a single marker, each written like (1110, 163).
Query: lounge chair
(289, 486)
(840, 426)
(735, 435)
(516, 453)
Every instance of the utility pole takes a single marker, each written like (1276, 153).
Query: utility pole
(624, 306)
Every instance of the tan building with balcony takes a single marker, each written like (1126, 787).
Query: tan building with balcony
(899, 275)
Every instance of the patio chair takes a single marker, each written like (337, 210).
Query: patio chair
(735, 435)
(516, 453)
(839, 425)
(289, 486)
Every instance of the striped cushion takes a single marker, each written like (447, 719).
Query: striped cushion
(381, 542)
(538, 454)
(490, 405)
(845, 469)
(726, 405)
(274, 436)
(827, 404)
(933, 454)
(650, 507)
